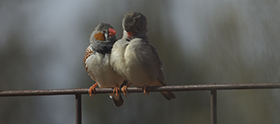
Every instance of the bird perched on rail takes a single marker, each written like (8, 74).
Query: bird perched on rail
(97, 61)
(135, 58)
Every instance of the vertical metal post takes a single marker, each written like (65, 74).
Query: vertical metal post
(213, 101)
(78, 108)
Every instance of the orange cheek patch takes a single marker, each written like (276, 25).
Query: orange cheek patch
(99, 36)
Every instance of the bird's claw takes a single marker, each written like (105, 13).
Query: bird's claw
(92, 89)
(144, 88)
(124, 89)
(116, 90)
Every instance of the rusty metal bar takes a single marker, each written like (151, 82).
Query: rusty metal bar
(78, 108)
(138, 89)
(213, 105)
(43, 92)
(79, 91)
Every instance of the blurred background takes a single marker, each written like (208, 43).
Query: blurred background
(42, 44)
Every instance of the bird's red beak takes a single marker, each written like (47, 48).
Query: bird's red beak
(112, 32)
(130, 34)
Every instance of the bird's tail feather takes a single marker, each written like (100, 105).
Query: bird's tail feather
(168, 95)
(118, 100)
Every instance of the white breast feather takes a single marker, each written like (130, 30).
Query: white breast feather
(99, 68)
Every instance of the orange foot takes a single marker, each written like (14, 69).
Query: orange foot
(116, 89)
(144, 88)
(124, 89)
(92, 89)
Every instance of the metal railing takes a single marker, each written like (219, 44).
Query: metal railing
(79, 91)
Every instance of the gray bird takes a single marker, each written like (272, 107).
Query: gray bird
(97, 61)
(135, 58)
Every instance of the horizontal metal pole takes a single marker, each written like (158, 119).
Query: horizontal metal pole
(138, 89)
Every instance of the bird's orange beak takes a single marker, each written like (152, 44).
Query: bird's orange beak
(130, 34)
(112, 32)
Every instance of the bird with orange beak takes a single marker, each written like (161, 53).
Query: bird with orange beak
(97, 61)
(135, 58)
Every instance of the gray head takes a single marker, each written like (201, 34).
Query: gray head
(103, 38)
(103, 32)
(135, 23)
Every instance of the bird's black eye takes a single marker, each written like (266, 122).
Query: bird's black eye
(105, 32)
